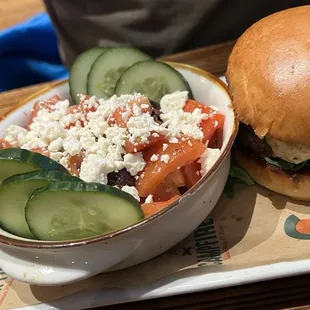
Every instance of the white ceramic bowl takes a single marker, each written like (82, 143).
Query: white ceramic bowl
(56, 263)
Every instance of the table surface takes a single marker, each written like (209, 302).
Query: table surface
(292, 293)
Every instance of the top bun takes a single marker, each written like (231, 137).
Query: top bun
(268, 74)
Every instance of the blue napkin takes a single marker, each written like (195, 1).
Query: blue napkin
(29, 54)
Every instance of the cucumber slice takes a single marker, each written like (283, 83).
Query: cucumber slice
(72, 210)
(16, 161)
(108, 67)
(14, 194)
(152, 79)
(80, 70)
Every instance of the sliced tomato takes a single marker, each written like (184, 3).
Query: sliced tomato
(39, 105)
(166, 190)
(216, 140)
(117, 118)
(5, 144)
(213, 141)
(74, 164)
(139, 146)
(210, 125)
(87, 107)
(191, 105)
(42, 151)
(84, 108)
(191, 173)
(153, 207)
(220, 136)
(72, 110)
(121, 115)
(177, 177)
(180, 154)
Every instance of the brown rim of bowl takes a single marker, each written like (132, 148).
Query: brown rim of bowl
(64, 244)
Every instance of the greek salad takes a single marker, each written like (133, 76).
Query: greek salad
(132, 143)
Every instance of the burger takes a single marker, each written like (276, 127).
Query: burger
(268, 75)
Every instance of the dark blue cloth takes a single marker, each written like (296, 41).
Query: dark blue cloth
(29, 54)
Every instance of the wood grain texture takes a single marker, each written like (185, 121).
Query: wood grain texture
(212, 58)
(17, 11)
(10, 98)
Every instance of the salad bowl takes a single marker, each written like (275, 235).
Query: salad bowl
(62, 262)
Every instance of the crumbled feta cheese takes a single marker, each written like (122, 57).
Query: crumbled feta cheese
(97, 125)
(64, 161)
(136, 110)
(88, 144)
(33, 143)
(165, 146)
(82, 97)
(94, 168)
(154, 157)
(116, 135)
(180, 122)
(208, 158)
(62, 106)
(140, 127)
(56, 145)
(72, 146)
(165, 158)
(149, 199)
(126, 114)
(173, 140)
(134, 163)
(16, 135)
(144, 106)
(173, 102)
(107, 107)
(47, 127)
(132, 191)
(56, 156)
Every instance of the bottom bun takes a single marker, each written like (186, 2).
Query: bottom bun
(295, 186)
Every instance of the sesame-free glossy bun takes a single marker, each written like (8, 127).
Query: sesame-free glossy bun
(295, 186)
(268, 74)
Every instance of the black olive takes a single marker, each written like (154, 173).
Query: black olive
(155, 104)
(156, 115)
(121, 178)
(183, 189)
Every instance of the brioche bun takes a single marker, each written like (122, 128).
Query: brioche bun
(295, 186)
(268, 74)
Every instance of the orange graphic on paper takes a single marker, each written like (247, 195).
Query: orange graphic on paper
(296, 228)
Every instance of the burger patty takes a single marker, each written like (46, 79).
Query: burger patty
(249, 143)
